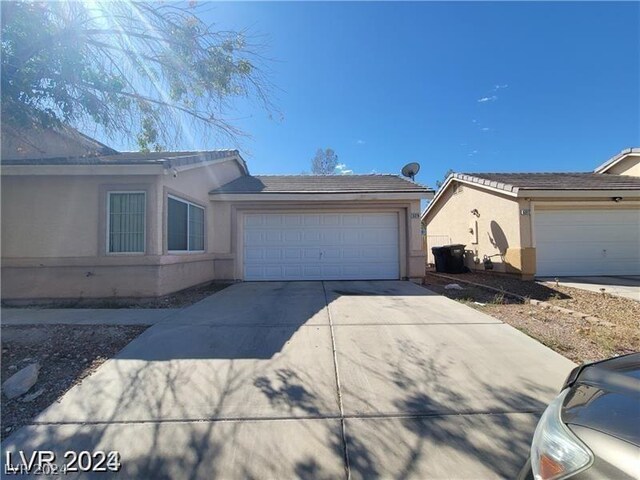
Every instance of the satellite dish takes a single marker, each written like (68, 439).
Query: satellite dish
(411, 169)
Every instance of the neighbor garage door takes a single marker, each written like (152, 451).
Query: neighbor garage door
(587, 242)
(321, 246)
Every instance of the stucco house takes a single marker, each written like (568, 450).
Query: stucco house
(109, 224)
(544, 224)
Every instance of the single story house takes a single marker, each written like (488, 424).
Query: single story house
(148, 224)
(544, 224)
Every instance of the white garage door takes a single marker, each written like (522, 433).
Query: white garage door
(321, 246)
(587, 242)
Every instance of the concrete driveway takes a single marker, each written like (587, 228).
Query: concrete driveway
(314, 380)
(627, 286)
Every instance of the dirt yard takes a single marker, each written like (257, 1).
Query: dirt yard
(66, 354)
(180, 299)
(601, 305)
(577, 339)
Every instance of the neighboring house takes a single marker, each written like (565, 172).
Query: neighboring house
(144, 225)
(28, 143)
(544, 224)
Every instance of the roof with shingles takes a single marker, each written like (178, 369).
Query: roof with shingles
(513, 182)
(374, 183)
(167, 159)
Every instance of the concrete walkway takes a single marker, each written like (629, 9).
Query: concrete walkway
(312, 380)
(624, 286)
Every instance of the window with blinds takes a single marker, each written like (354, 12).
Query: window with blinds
(185, 226)
(126, 222)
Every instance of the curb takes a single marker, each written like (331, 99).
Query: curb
(539, 303)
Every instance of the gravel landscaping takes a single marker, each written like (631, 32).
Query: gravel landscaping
(66, 354)
(576, 338)
(180, 299)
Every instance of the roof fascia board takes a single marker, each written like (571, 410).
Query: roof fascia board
(191, 166)
(615, 160)
(115, 169)
(578, 193)
(551, 204)
(437, 196)
(328, 196)
(486, 185)
(125, 169)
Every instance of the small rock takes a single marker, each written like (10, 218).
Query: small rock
(21, 381)
(13, 367)
(32, 396)
(453, 286)
(85, 360)
(8, 429)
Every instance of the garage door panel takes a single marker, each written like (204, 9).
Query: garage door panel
(585, 217)
(310, 236)
(311, 253)
(273, 253)
(321, 246)
(610, 249)
(332, 253)
(293, 220)
(587, 242)
(273, 220)
(332, 237)
(292, 271)
(350, 220)
(254, 253)
(292, 236)
(311, 220)
(253, 220)
(331, 220)
(292, 253)
(601, 232)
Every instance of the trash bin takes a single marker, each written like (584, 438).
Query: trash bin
(455, 262)
(449, 258)
(440, 255)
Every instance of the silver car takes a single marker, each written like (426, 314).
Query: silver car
(592, 429)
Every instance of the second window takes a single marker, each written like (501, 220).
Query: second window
(185, 226)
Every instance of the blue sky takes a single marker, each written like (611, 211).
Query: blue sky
(468, 86)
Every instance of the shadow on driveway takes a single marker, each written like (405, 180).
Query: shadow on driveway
(422, 393)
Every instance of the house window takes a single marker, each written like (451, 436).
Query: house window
(185, 226)
(126, 222)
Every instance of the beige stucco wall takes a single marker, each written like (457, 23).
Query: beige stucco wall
(499, 231)
(194, 186)
(228, 242)
(54, 235)
(628, 166)
(63, 216)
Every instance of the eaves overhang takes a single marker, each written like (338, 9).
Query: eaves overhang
(318, 196)
(518, 192)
